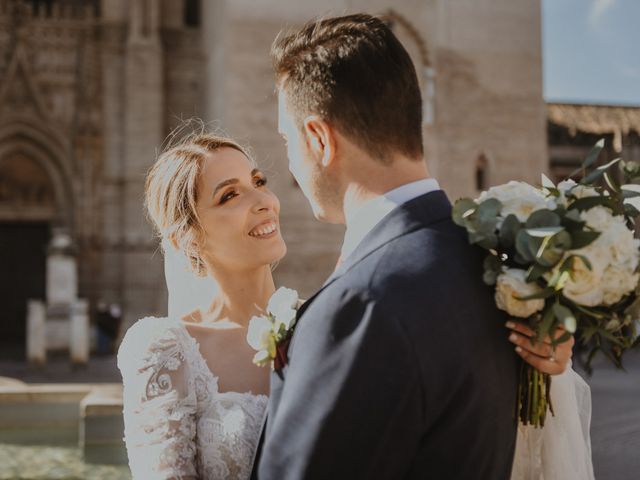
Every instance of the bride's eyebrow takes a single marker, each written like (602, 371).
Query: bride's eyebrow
(233, 181)
(225, 183)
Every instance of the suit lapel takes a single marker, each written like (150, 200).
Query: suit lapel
(418, 213)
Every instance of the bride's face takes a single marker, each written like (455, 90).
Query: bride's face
(239, 214)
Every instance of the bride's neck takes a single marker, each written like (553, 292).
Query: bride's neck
(241, 295)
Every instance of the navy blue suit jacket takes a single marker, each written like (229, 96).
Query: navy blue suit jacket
(399, 367)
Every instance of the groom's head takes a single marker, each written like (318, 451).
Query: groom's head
(346, 88)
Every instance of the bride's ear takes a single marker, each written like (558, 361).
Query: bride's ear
(320, 139)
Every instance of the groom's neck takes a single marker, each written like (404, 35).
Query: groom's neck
(369, 179)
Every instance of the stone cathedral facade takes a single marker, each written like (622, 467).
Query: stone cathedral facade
(90, 89)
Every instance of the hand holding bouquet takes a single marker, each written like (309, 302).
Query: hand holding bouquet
(563, 257)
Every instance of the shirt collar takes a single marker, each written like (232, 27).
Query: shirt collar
(362, 221)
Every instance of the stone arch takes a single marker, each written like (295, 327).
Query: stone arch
(394, 19)
(47, 154)
(417, 47)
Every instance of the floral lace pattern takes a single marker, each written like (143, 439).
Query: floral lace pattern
(177, 423)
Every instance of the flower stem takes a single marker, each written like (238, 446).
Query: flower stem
(533, 400)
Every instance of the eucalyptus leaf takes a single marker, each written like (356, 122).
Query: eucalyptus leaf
(542, 232)
(593, 154)
(552, 248)
(490, 277)
(572, 221)
(543, 218)
(598, 172)
(583, 238)
(631, 211)
(519, 259)
(565, 317)
(611, 182)
(562, 240)
(509, 230)
(522, 247)
(589, 202)
(535, 272)
(492, 263)
(549, 257)
(489, 242)
(535, 245)
(487, 212)
(544, 326)
(461, 210)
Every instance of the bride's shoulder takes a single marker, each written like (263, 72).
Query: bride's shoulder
(149, 336)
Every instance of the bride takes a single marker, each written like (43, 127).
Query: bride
(194, 403)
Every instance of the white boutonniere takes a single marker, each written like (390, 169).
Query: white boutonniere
(270, 334)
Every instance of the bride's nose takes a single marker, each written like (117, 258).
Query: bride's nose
(264, 201)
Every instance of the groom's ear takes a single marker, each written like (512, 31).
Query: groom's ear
(320, 138)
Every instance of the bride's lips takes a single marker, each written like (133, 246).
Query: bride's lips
(266, 229)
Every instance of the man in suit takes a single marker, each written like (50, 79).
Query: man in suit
(398, 367)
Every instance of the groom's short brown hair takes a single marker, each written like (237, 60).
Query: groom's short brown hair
(354, 72)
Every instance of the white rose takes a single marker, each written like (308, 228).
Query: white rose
(282, 305)
(258, 333)
(598, 218)
(511, 284)
(584, 285)
(614, 257)
(518, 198)
(618, 282)
(621, 242)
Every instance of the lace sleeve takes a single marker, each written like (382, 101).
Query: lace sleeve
(159, 406)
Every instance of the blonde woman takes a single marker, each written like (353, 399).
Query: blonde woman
(194, 401)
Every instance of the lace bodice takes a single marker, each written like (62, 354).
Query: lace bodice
(177, 423)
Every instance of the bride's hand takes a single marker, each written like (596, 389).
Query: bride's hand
(541, 355)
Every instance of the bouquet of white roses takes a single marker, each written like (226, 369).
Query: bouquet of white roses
(562, 256)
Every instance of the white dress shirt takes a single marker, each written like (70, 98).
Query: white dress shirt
(362, 221)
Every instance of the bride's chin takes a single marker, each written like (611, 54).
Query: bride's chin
(279, 254)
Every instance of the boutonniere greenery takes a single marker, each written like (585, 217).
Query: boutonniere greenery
(270, 334)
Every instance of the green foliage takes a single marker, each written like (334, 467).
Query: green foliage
(546, 246)
(509, 230)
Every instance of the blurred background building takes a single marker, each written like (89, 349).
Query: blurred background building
(90, 89)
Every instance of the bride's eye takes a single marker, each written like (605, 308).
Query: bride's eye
(227, 196)
(261, 181)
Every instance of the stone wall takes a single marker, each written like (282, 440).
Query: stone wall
(143, 70)
(488, 101)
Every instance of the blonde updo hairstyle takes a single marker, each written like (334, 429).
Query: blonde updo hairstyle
(171, 192)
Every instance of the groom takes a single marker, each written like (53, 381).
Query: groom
(398, 368)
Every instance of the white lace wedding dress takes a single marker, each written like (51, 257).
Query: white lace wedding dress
(177, 423)
(562, 449)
